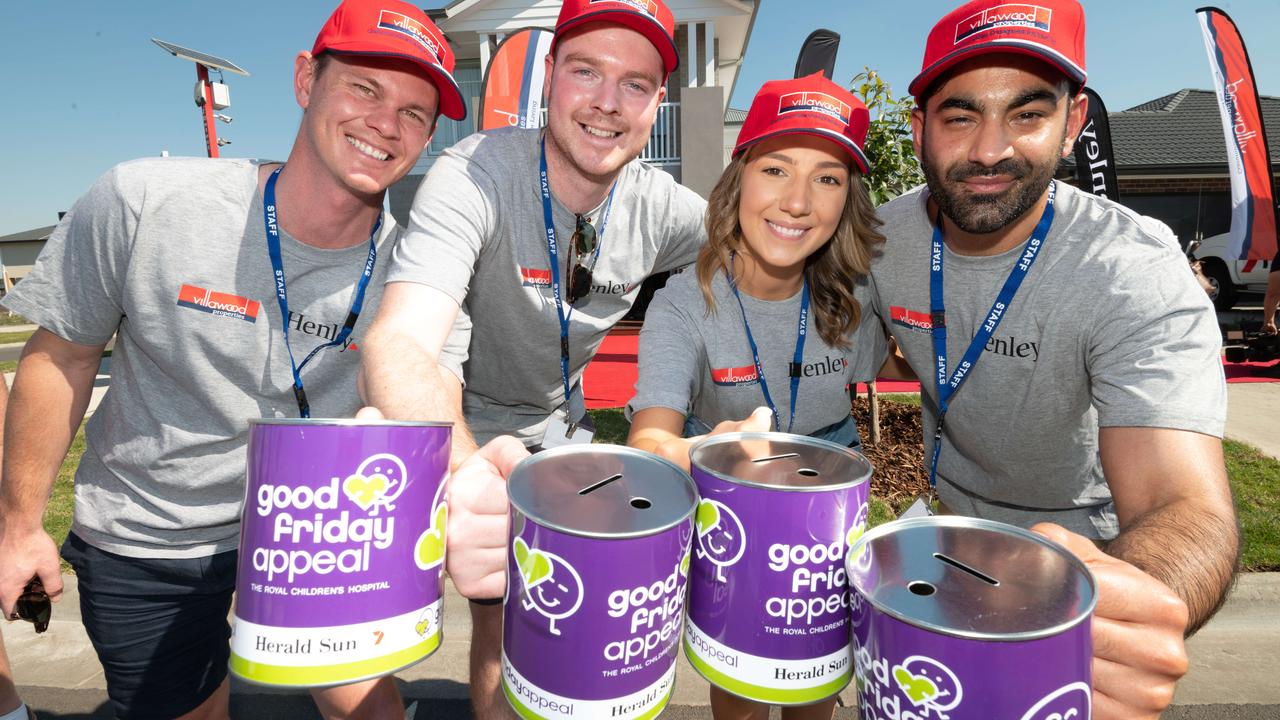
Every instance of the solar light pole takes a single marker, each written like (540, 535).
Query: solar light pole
(209, 96)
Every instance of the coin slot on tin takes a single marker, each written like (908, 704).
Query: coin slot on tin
(921, 588)
(602, 483)
(783, 456)
(640, 503)
(961, 566)
(808, 472)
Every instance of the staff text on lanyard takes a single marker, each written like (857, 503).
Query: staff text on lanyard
(561, 314)
(282, 295)
(797, 359)
(947, 387)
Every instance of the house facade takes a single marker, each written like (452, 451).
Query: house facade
(711, 36)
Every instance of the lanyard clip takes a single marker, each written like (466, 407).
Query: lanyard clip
(564, 346)
(938, 319)
(304, 407)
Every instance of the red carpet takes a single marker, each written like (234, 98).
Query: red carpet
(1252, 372)
(610, 379)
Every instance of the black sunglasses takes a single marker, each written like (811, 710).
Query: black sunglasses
(34, 606)
(584, 243)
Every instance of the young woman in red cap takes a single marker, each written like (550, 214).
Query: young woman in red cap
(771, 317)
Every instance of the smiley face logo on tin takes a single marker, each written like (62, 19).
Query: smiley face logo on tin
(721, 539)
(1070, 702)
(928, 683)
(376, 483)
(550, 586)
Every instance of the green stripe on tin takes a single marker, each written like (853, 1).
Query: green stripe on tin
(265, 674)
(801, 696)
(523, 711)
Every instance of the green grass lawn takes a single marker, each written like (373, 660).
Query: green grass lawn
(1255, 479)
(15, 337)
(8, 318)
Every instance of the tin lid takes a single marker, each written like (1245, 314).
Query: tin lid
(604, 491)
(971, 578)
(780, 461)
(348, 422)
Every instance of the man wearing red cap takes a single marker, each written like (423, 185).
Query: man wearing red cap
(1070, 363)
(537, 242)
(213, 276)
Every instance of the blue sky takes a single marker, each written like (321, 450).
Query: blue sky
(84, 88)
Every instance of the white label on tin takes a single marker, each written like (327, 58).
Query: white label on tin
(755, 671)
(537, 702)
(334, 645)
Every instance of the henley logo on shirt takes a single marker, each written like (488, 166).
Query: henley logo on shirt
(325, 331)
(745, 375)
(217, 303)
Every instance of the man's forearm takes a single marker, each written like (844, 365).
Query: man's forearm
(46, 406)
(1189, 548)
(400, 379)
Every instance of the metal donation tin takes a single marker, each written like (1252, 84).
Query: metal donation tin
(341, 550)
(768, 597)
(960, 619)
(599, 553)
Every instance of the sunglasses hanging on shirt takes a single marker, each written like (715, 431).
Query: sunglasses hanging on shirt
(34, 606)
(582, 245)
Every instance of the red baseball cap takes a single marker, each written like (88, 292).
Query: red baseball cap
(811, 105)
(394, 29)
(650, 18)
(1050, 30)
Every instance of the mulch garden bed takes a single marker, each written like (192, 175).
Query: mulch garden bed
(900, 476)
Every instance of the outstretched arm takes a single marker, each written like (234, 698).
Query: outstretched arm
(400, 373)
(1177, 519)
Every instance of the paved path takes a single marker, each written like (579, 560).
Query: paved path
(1233, 662)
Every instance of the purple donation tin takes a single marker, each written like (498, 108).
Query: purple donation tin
(959, 619)
(596, 576)
(768, 596)
(341, 550)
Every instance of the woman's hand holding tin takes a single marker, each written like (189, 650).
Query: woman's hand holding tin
(677, 450)
(477, 531)
(1138, 627)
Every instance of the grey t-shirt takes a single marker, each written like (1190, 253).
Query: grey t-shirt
(1109, 329)
(699, 362)
(477, 233)
(172, 254)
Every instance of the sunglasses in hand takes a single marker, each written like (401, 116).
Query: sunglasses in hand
(34, 606)
(583, 244)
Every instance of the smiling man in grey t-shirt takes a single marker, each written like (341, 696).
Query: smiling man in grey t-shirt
(182, 260)
(1069, 362)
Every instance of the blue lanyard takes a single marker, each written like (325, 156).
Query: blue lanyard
(797, 359)
(282, 296)
(947, 388)
(554, 256)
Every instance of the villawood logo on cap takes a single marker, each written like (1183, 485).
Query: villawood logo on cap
(812, 101)
(648, 8)
(1010, 15)
(416, 31)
